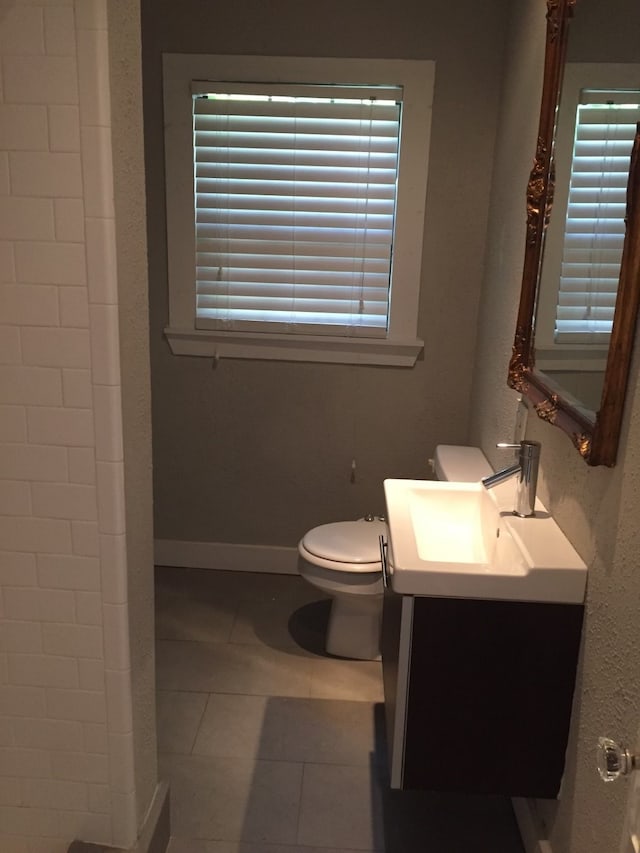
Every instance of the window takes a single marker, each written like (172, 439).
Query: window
(594, 227)
(295, 196)
(584, 244)
(295, 211)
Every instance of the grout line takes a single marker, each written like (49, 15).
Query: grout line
(302, 775)
(197, 730)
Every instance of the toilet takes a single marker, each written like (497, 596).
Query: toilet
(343, 560)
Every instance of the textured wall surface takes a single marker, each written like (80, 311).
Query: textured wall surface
(131, 238)
(597, 508)
(259, 452)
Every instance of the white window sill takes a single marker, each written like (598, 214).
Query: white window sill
(209, 344)
(592, 359)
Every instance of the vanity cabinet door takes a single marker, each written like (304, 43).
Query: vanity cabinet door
(396, 656)
(487, 697)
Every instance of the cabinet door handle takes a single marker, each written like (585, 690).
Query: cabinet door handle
(383, 561)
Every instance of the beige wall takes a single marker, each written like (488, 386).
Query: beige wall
(258, 452)
(604, 32)
(597, 508)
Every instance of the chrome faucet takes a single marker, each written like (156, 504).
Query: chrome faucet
(526, 468)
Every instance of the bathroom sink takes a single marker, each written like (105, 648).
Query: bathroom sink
(462, 540)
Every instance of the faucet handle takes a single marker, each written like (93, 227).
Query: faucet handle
(506, 445)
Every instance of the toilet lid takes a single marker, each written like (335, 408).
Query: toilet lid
(346, 541)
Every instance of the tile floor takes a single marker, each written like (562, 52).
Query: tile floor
(270, 746)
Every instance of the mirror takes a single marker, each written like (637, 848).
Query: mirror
(579, 388)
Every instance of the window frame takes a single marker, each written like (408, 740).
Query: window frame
(401, 346)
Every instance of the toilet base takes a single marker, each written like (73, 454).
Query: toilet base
(354, 627)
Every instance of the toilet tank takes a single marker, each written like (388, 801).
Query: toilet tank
(460, 464)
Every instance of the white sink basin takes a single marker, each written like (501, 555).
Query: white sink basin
(462, 540)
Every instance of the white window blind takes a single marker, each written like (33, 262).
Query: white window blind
(295, 191)
(595, 228)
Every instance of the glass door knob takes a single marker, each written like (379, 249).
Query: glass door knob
(614, 760)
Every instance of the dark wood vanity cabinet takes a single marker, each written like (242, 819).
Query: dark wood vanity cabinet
(478, 693)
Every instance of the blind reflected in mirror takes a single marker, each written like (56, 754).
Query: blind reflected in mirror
(584, 242)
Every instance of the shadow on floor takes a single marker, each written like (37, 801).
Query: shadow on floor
(435, 821)
(308, 626)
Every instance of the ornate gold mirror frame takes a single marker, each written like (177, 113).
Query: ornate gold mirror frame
(596, 438)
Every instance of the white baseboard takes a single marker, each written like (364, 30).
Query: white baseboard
(271, 559)
(529, 825)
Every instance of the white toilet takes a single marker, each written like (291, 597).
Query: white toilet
(343, 560)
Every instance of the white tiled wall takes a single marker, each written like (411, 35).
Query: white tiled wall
(66, 741)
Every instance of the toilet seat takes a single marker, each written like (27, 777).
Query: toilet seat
(343, 560)
(348, 546)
